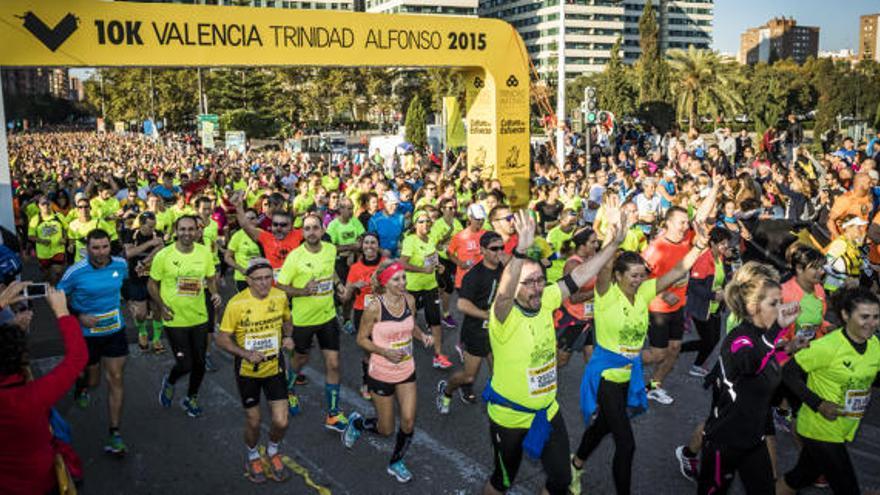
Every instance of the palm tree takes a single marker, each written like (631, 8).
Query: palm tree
(703, 80)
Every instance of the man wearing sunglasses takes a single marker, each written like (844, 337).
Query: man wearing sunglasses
(477, 292)
(80, 227)
(278, 243)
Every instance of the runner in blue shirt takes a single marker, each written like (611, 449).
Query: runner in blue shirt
(388, 225)
(93, 288)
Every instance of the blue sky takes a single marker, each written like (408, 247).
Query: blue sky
(838, 20)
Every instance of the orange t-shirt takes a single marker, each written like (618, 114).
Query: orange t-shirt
(360, 272)
(276, 250)
(661, 256)
(465, 245)
(849, 204)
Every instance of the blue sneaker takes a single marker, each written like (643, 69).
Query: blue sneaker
(337, 422)
(400, 472)
(166, 393)
(115, 445)
(351, 433)
(191, 406)
(292, 404)
(348, 327)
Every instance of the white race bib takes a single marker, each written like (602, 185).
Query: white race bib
(267, 345)
(431, 260)
(806, 332)
(542, 380)
(189, 286)
(324, 287)
(107, 322)
(588, 310)
(628, 351)
(856, 403)
(405, 346)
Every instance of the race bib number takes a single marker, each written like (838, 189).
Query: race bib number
(542, 380)
(588, 310)
(324, 287)
(275, 274)
(267, 345)
(107, 322)
(856, 403)
(628, 352)
(48, 231)
(368, 299)
(189, 286)
(431, 260)
(485, 323)
(405, 346)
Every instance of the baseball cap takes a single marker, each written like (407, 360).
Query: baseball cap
(390, 197)
(476, 212)
(854, 222)
(257, 263)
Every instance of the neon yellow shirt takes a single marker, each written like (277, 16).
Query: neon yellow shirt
(50, 228)
(181, 278)
(621, 327)
(420, 253)
(302, 265)
(244, 249)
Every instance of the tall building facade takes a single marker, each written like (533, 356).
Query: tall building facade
(37, 81)
(281, 4)
(778, 39)
(592, 27)
(869, 37)
(437, 7)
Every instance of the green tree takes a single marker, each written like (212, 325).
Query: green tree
(650, 67)
(416, 124)
(703, 82)
(617, 92)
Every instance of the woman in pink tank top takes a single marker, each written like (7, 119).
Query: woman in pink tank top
(386, 332)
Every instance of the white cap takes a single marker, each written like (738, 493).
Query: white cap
(476, 211)
(854, 222)
(390, 197)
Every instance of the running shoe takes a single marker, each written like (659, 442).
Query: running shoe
(348, 327)
(277, 470)
(166, 393)
(365, 392)
(191, 406)
(351, 433)
(400, 472)
(466, 394)
(209, 364)
(575, 487)
(782, 419)
(253, 470)
(689, 466)
(658, 394)
(143, 341)
(336, 423)
(158, 347)
(449, 321)
(115, 445)
(821, 482)
(698, 371)
(460, 352)
(443, 400)
(442, 362)
(82, 398)
(293, 404)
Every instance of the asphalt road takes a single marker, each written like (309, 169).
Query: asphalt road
(172, 453)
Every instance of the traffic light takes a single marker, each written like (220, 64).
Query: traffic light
(590, 105)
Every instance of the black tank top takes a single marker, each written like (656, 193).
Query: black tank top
(387, 316)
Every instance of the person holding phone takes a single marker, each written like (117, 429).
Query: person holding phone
(94, 287)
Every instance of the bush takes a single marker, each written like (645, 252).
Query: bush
(253, 124)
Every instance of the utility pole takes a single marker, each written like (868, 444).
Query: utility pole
(152, 94)
(199, 77)
(101, 80)
(560, 90)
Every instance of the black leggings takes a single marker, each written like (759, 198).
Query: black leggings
(188, 344)
(507, 445)
(719, 463)
(611, 417)
(830, 459)
(709, 332)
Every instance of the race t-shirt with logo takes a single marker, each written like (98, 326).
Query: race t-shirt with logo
(299, 268)
(839, 374)
(181, 278)
(465, 245)
(362, 271)
(524, 349)
(661, 256)
(277, 250)
(96, 292)
(77, 231)
(105, 208)
(256, 325)
(621, 326)
(423, 254)
(342, 234)
(50, 228)
(245, 249)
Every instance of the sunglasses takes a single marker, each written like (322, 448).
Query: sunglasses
(423, 221)
(280, 224)
(83, 206)
(495, 248)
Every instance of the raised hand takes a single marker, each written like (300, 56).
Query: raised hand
(525, 228)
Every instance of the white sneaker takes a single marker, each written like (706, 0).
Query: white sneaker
(698, 371)
(660, 395)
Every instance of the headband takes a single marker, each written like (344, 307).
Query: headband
(389, 272)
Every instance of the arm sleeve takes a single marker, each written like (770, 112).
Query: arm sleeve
(794, 377)
(47, 390)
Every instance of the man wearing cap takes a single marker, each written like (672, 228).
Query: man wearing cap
(856, 202)
(388, 225)
(256, 326)
(844, 254)
(464, 248)
(474, 300)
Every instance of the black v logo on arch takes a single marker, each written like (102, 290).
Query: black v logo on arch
(51, 37)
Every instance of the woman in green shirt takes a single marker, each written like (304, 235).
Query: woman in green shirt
(841, 368)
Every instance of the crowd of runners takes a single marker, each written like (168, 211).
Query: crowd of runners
(766, 254)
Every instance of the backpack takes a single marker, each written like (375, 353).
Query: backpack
(10, 264)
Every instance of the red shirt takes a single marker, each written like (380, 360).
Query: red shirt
(26, 456)
(661, 256)
(465, 245)
(276, 250)
(361, 272)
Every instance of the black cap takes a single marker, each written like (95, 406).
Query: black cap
(488, 237)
